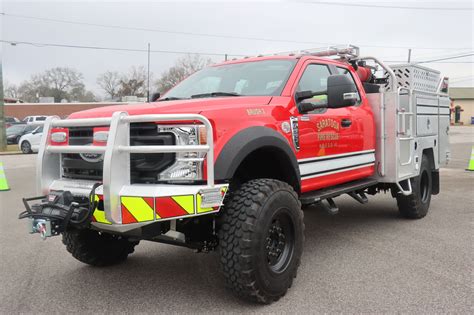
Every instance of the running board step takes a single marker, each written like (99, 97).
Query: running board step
(326, 193)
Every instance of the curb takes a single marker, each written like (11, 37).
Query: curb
(10, 152)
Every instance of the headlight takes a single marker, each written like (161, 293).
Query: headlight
(188, 165)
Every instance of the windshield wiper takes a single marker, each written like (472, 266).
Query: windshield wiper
(171, 98)
(215, 94)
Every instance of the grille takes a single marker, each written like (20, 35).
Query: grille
(144, 168)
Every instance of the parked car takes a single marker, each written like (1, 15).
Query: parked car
(34, 119)
(11, 121)
(29, 142)
(15, 132)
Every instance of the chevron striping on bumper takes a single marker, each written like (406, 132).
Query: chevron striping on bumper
(137, 209)
(99, 214)
(186, 202)
(169, 207)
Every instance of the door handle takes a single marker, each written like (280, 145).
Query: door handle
(346, 123)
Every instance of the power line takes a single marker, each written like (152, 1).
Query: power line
(444, 62)
(145, 29)
(227, 36)
(36, 44)
(439, 58)
(448, 58)
(431, 55)
(346, 4)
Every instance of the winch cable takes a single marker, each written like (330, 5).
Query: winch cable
(91, 206)
(92, 203)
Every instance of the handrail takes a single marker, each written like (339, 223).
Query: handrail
(385, 67)
(81, 122)
(163, 148)
(76, 149)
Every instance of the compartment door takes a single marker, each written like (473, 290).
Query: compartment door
(443, 133)
(405, 136)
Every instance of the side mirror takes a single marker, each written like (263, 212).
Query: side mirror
(302, 95)
(155, 97)
(341, 91)
(310, 104)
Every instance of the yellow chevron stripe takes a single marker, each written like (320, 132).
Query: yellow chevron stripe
(186, 202)
(99, 215)
(138, 208)
(199, 209)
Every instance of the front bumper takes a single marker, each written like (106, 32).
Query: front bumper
(142, 204)
(122, 206)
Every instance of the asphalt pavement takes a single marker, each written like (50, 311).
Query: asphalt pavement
(366, 259)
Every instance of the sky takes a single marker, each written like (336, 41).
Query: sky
(236, 28)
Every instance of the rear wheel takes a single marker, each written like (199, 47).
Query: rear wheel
(416, 205)
(261, 239)
(26, 147)
(97, 249)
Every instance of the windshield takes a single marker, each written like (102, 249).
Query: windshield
(15, 129)
(262, 78)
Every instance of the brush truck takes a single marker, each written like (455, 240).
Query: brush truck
(227, 159)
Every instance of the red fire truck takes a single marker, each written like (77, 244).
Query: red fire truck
(226, 160)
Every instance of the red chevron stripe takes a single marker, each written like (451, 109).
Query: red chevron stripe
(166, 207)
(127, 217)
(149, 201)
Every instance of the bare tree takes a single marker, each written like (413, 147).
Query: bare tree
(183, 68)
(134, 82)
(62, 78)
(110, 82)
(60, 83)
(10, 89)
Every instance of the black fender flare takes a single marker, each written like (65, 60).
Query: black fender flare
(247, 141)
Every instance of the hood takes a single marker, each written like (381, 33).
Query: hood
(192, 106)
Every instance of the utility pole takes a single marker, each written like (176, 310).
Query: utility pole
(3, 139)
(3, 136)
(148, 77)
(409, 55)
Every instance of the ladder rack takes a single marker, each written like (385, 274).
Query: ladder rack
(341, 51)
(346, 52)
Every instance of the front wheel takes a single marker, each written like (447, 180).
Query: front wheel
(416, 205)
(261, 239)
(97, 249)
(26, 147)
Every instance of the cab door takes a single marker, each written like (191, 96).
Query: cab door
(333, 142)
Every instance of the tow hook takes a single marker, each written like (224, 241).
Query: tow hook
(43, 227)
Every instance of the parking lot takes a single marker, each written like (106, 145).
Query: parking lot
(366, 259)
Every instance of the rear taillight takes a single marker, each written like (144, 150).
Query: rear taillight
(59, 136)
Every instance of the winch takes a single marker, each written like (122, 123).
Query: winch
(57, 211)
